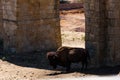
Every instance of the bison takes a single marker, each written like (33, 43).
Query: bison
(64, 56)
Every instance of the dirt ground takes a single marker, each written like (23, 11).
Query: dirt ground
(14, 67)
(35, 67)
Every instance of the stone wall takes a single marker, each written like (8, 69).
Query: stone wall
(103, 31)
(33, 25)
(30, 25)
(1, 22)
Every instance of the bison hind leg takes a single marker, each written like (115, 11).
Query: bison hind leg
(84, 65)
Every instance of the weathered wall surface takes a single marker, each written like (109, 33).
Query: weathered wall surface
(103, 31)
(30, 25)
(1, 17)
(33, 25)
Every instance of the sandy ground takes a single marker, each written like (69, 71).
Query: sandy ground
(35, 67)
(12, 68)
(10, 71)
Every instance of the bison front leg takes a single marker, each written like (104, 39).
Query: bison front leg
(68, 66)
(83, 64)
(55, 66)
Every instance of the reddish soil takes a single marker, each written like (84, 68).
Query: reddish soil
(67, 6)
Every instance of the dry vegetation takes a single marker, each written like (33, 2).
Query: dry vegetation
(73, 27)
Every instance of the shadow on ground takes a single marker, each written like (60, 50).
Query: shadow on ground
(38, 60)
(33, 59)
(103, 71)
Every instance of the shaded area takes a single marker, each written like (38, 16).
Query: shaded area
(39, 61)
(33, 59)
(103, 71)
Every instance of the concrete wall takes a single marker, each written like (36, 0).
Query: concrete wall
(29, 25)
(103, 31)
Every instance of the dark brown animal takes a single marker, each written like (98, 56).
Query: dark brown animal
(64, 56)
(52, 57)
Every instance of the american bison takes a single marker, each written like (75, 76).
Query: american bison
(64, 56)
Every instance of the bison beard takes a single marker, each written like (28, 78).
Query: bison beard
(64, 56)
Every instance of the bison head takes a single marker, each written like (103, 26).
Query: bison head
(52, 57)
